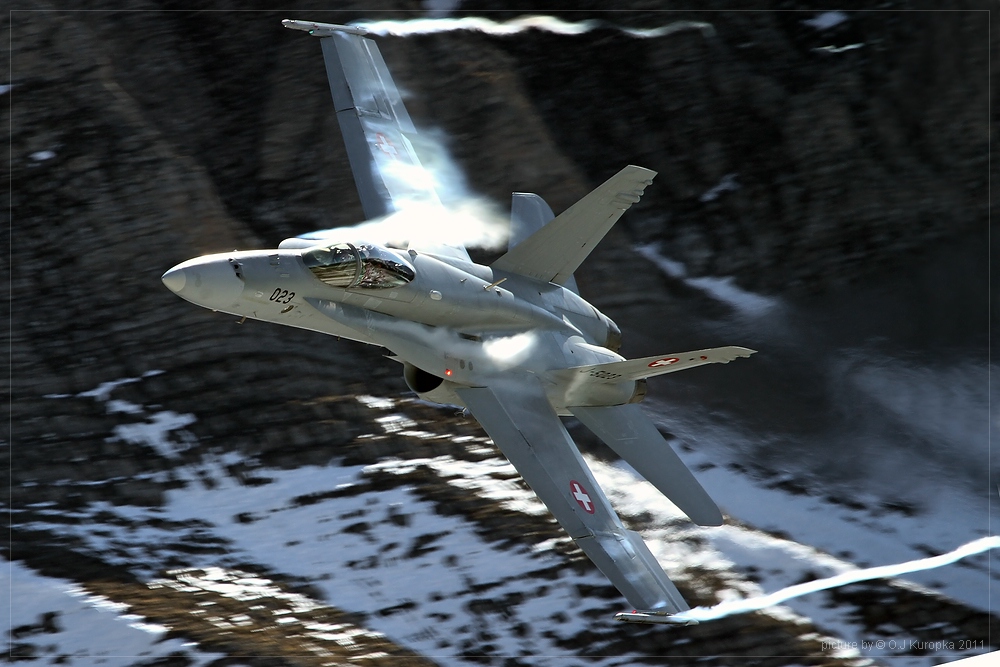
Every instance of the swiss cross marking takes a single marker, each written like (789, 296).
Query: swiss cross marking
(582, 499)
(664, 362)
(385, 145)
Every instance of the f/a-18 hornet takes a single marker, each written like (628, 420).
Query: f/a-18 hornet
(513, 342)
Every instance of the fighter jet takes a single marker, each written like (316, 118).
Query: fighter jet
(512, 342)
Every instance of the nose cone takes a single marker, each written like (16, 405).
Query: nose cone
(174, 279)
(210, 282)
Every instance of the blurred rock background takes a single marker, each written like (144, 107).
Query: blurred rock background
(797, 157)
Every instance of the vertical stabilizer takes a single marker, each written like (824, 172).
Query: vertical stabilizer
(529, 213)
(556, 250)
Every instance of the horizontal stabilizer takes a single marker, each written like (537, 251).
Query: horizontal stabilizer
(556, 250)
(637, 369)
(630, 433)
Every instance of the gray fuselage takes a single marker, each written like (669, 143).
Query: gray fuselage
(452, 322)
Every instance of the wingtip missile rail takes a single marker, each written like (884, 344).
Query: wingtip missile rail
(652, 618)
(322, 29)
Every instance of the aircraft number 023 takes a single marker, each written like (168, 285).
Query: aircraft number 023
(282, 295)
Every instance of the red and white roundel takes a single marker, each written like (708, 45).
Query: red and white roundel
(664, 362)
(386, 146)
(582, 499)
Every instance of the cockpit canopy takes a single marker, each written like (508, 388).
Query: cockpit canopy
(362, 265)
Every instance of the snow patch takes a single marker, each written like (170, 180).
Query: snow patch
(757, 603)
(494, 478)
(85, 629)
(376, 402)
(103, 391)
(155, 431)
(826, 20)
(866, 536)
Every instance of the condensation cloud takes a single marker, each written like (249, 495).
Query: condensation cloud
(732, 607)
(469, 223)
(551, 24)
(463, 219)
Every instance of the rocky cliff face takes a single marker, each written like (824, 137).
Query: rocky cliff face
(141, 138)
(793, 150)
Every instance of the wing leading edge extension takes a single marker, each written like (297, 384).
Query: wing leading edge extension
(534, 440)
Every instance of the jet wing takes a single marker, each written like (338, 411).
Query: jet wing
(518, 417)
(556, 250)
(377, 129)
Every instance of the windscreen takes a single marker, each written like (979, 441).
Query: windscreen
(363, 265)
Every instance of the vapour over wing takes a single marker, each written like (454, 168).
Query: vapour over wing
(393, 165)
(377, 129)
(517, 415)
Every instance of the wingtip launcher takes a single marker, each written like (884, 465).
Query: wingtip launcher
(322, 29)
(652, 618)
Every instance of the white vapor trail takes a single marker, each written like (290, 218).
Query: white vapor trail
(427, 26)
(470, 223)
(732, 607)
